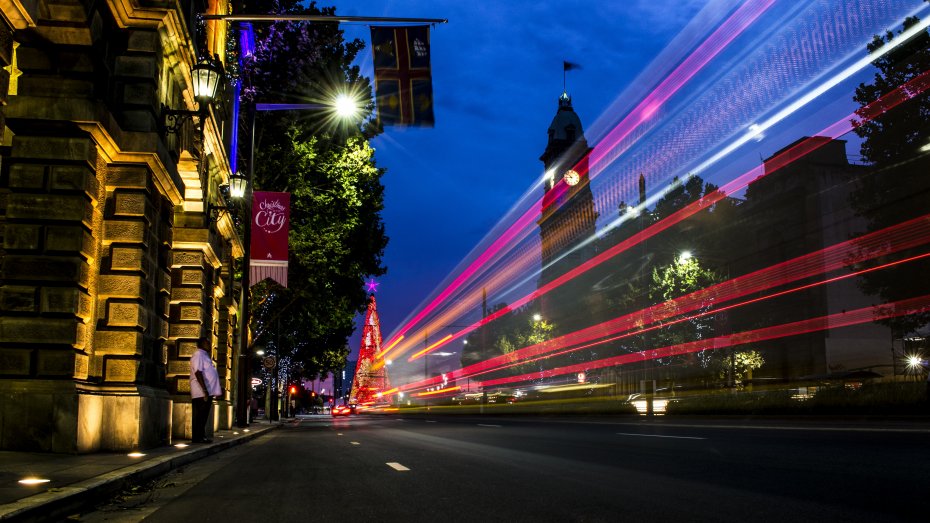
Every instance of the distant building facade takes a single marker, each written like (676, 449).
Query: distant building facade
(567, 218)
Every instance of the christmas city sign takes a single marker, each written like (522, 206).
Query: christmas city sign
(268, 248)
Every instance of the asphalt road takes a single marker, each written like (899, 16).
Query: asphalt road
(437, 469)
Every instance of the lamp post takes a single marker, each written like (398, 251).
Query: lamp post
(241, 186)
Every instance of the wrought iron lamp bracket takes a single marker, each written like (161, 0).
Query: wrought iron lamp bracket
(173, 119)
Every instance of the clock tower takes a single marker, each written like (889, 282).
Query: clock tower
(567, 217)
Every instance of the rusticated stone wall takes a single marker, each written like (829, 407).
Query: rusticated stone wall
(102, 293)
(48, 283)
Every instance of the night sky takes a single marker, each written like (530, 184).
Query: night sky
(497, 76)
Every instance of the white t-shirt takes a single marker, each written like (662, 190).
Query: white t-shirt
(201, 361)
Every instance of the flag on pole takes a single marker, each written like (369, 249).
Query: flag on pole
(403, 79)
(268, 248)
(568, 66)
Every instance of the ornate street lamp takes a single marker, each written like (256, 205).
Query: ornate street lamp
(207, 76)
(238, 183)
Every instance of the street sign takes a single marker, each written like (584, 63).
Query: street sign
(256, 382)
(269, 362)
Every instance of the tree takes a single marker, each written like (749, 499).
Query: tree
(529, 333)
(738, 366)
(898, 187)
(683, 276)
(337, 237)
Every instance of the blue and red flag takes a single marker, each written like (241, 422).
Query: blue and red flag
(403, 79)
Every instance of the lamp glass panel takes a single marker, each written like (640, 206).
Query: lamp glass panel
(237, 185)
(206, 79)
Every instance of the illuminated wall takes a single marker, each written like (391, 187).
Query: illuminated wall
(110, 268)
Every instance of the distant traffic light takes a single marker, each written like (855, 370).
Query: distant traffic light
(293, 389)
(312, 394)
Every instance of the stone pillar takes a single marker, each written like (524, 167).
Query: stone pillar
(226, 339)
(131, 331)
(48, 272)
(196, 294)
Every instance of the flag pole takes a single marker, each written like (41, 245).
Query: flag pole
(322, 18)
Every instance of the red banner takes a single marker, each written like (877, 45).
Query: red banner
(268, 248)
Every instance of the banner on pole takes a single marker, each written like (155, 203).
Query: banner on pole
(268, 248)
(403, 78)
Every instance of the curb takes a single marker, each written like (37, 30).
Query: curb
(57, 504)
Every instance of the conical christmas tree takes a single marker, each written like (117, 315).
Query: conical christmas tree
(370, 379)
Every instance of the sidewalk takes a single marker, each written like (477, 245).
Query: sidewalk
(76, 480)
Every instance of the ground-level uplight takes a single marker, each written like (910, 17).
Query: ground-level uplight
(33, 481)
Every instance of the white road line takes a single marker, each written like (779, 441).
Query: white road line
(339, 434)
(657, 436)
(484, 425)
(431, 421)
(397, 466)
(355, 443)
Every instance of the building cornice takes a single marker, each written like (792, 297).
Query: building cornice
(17, 15)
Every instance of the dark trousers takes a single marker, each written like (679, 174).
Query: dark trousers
(200, 408)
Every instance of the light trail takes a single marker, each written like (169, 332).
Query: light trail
(389, 347)
(719, 40)
(428, 349)
(440, 391)
(754, 131)
(741, 20)
(693, 317)
(520, 227)
(901, 94)
(896, 309)
(888, 241)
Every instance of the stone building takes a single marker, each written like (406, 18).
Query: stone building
(567, 218)
(110, 265)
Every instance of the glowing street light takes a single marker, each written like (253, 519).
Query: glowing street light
(346, 106)
(537, 317)
(684, 257)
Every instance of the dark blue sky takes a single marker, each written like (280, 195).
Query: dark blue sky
(497, 75)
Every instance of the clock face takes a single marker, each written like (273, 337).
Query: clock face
(571, 177)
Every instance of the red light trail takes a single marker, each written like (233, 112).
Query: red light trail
(894, 239)
(832, 321)
(711, 47)
(840, 128)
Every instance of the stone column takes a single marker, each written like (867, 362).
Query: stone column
(197, 292)
(46, 300)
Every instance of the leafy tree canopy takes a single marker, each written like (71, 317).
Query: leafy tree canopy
(337, 236)
(898, 188)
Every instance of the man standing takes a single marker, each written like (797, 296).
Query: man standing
(205, 385)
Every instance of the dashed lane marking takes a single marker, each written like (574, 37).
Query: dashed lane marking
(397, 466)
(485, 425)
(355, 443)
(657, 436)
